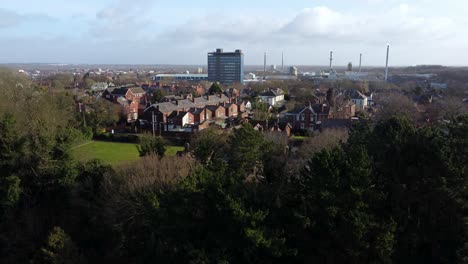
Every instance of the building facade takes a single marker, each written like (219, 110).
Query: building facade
(226, 67)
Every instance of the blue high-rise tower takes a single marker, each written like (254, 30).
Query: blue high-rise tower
(226, 67)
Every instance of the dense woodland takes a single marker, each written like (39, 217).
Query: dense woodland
(384, 192)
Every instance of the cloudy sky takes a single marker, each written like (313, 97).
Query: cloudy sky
(182, 31)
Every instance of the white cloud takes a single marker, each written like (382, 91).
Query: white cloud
(321, 24)
(133, 32)
(124, 19)
(10, 18)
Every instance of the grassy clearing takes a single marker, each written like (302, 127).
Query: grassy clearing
(112, 152)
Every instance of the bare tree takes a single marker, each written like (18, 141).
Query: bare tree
(391, 104)
(446, 108)
(152, 170)
(328, 139)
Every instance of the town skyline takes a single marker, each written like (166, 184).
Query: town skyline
(176, 33)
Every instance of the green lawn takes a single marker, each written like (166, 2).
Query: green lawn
(112, 152)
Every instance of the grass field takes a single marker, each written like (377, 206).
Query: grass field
(112, 152)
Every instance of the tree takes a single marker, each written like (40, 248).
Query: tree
(60, 249)
(334, 193)
(395, 104)
(158, 95)
(151, 146)
(215, 89)
(209, 145)
(103, 113)
(246, 150)
(420, 174)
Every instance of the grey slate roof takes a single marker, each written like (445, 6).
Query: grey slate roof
(272, 93)
(354, 94)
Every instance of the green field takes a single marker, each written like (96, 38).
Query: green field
(111, 152)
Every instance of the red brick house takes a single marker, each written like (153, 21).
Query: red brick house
(231, 110)
(302, 118)
(181, 119)
(129, 108)
(217, 111)
(129, 93)
(200, 114)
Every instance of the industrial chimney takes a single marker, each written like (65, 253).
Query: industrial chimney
(282, 62)
(386, 64)
(331, 60)
(360, 61)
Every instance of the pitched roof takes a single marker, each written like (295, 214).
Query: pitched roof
(177, 114)
(119, 91)
(137, 90)
(121, 100)
(213, 107)
(355, 94)
(299, 110)
(196, 111)
(166, 107)
(273, 92)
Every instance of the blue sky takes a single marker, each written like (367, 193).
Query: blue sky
(182, 32)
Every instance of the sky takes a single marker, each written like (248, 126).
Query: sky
(183, 31)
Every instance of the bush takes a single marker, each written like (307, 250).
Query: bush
(149, 146)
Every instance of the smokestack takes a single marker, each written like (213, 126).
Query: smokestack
(386, 64)
(282, 62)
(360, 61)
(264, 65)
(331, 60)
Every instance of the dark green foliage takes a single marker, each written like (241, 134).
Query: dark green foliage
(215, 89)
(152, 146)
(209, 146)
(60, 249)
(158, 95)
(102, 114)
(246, 150)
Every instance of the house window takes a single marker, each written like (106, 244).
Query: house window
(302, 117)
(311, 118)
(302, 126)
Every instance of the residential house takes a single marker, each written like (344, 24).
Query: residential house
(201, 114)
(321, 111)
(272, 97)
(180, 119)
(345, 111)
(129, 93)
(217, 111)
(231, 110)
(129, 108)
(359, 99)
(268, 126)
(302, 118)
(248, 105)
(99, 86)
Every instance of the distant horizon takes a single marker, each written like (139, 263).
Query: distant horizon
(205, 65)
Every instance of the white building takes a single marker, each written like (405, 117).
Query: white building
(272, 96)
(360, 100)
